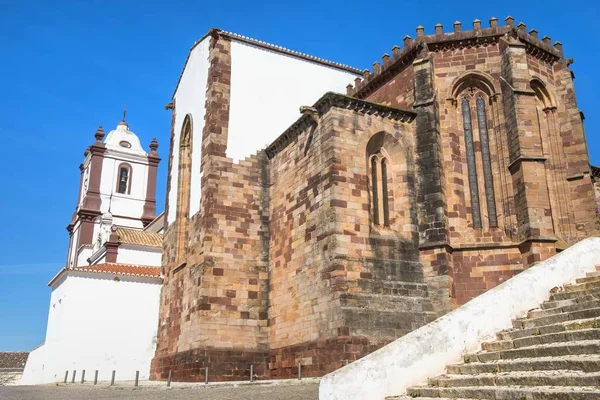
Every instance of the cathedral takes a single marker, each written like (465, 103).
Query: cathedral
(395, 195)
(316, 212)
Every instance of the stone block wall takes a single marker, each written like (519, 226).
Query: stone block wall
(285, 261)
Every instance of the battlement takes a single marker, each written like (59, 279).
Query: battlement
(444, 41)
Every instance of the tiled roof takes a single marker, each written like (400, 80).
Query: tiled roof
(144, 271)
(122, 269)
(13, 359)
(139, 237)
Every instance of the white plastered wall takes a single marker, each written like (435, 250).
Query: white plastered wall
(139, 255)
(189, 100)
(267, 90)
(96, 323)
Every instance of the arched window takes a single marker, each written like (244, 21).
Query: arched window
(183, 187)
(473, 109)
(380, 209)
(553, 150)
(123, 180)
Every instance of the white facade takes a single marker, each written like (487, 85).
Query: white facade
(140, 255)
(263, 82)
(97, 323)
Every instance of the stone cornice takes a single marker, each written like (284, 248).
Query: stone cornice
(324, 104)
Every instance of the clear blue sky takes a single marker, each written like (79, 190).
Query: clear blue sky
(68, 66)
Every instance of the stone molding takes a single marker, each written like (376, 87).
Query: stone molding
(336, 100)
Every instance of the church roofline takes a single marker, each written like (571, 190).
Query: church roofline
(323, 105)
(267, 46)
(129, 270)
(400, 58)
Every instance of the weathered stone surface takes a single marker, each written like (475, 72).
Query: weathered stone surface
(377, 212)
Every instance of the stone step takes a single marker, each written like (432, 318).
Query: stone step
(573, 294)
(585, 363)
(588, 279)
(567, 336)
(576, 306)
(520, 378)
(577, 287)
(525, 323)
(585, 323)
(542, 350)
(569, 302)
(595, 273)
(508, 392)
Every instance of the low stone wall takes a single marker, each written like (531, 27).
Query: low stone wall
(10, 377)
(426, 351)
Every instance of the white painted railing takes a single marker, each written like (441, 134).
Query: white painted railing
(426, 351)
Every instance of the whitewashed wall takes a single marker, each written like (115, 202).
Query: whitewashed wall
(267, 90)
(96, 323)
(138, 255)
(34, 368)
(189, 100)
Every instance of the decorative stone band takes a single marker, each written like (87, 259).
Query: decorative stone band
(425, 352)
(324, 104)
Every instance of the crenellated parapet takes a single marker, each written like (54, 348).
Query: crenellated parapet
(458, 38)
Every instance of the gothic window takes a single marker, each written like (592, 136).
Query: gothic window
(475, 125)
(379, 190)
(123, 180)
(183, 187)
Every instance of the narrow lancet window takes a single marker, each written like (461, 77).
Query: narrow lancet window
(471, 168)
(487, 163)
(384, 193)
(123, 180)
(375, 193)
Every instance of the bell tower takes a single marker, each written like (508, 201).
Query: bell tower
(117, 187)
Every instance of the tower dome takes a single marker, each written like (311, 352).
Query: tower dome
(123, 139)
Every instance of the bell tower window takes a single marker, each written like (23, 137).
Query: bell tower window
(124, 179)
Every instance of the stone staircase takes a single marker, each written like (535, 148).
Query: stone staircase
(553, 353)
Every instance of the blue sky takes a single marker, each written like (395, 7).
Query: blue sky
(68, 66)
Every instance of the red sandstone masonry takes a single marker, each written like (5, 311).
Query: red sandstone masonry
(285, 264)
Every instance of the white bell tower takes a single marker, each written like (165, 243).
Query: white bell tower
(118, 185)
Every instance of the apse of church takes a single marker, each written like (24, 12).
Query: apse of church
(457, 162)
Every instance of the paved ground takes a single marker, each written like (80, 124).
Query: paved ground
(305, 391)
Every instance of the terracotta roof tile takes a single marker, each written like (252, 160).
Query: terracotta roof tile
(144, 271)
(139, 237)
(122, 269)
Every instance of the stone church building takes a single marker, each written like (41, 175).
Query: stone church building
(458, 161)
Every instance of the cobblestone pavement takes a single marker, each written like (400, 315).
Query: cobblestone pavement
(307, 391)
